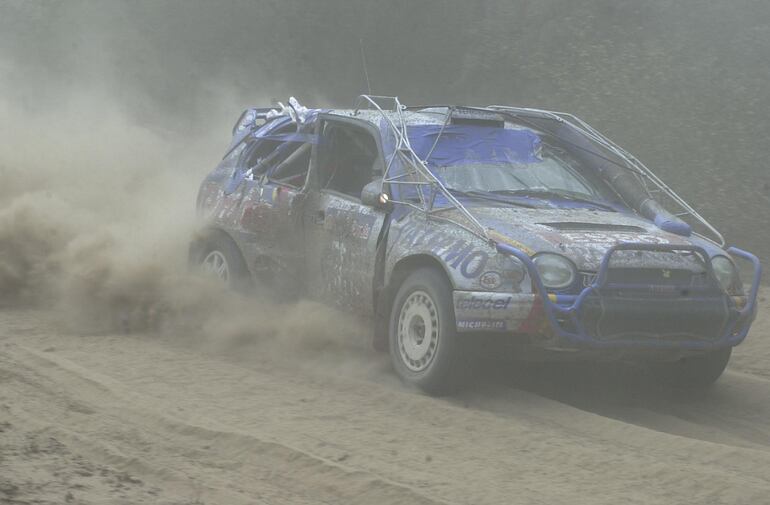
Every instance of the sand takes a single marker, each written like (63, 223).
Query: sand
(112, 418)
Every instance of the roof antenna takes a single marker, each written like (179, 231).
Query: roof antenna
(366, 71)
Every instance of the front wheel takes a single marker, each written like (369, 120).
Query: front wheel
(424, 345)
(693, 372)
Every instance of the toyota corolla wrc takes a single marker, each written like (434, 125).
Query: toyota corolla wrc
(448, 226)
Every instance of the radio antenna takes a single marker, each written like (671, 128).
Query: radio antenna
(366, 70)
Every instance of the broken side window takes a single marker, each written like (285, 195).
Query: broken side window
(293, 170)
(264, 153)
(347, 158)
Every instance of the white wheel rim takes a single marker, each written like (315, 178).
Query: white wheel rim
(215, 264)
(418, 331)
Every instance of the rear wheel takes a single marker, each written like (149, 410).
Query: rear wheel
(215, 264)
(221, 259)
(424, 345)
(693, 372)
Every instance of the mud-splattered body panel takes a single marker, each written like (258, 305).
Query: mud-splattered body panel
(318, 231)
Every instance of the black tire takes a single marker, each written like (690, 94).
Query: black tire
(693, 372)
(441, 370)
(238, 276)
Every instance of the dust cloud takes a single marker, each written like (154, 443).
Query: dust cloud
(98, 177)
(680, 83)
(112, 111)
(96, 213)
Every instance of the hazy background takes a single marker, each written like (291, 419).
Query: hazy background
(112, 111)
(683, 84)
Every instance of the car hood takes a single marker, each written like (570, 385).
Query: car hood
(582, 235)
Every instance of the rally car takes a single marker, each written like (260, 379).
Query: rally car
(449, 226)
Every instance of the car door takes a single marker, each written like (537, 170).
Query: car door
(270, 216)
(341, 234)
(282, 199)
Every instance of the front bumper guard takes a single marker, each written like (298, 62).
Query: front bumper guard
(568, 307)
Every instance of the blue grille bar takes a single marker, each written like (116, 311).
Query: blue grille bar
(568, 307)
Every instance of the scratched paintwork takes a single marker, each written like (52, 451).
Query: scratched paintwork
(347, 264)
(585, 248)
(336, 259)
(463, 254)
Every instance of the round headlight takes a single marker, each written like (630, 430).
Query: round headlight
(555, 271)
(725, 271)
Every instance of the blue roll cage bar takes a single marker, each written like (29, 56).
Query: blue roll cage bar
(570, 306)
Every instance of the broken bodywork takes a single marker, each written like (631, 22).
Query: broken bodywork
(342, 205)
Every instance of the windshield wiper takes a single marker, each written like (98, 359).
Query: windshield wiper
(547, 193)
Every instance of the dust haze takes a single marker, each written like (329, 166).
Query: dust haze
(95, 218)
(682, 84)
(97, 211)
(111, 113)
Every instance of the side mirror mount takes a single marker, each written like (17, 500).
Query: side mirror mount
(373, 196)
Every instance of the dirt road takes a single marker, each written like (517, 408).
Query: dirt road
(149, 419)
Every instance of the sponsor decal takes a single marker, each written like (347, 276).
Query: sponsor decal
(361, 230)
(481, 324)
(499, 237)
(473, 264)
(483, 303)
(606, 240)
(663, 290)
(457, 253)
(490, 280)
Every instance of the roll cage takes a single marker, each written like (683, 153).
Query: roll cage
(416, 174)
(428, 186)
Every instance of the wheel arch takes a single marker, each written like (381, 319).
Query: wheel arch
(205, 236)
(399, 273)
(409, 264)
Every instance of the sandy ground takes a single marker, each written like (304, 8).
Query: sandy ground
(141, 384)
(148, 419)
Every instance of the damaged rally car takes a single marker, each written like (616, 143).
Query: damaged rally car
(454, 226)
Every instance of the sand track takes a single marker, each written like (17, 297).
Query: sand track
(112, 114)
(140, 419)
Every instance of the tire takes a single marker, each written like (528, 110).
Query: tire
(221, 258)
(424, 346)
(693, 372)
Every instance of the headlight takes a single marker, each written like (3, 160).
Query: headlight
(555, 271)
(725, 272)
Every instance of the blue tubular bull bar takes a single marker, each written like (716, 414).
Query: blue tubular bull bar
(569, 307)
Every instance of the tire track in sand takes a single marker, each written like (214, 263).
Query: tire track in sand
(539, 451)
(112, 424)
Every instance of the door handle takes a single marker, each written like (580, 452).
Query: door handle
(320, 217)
